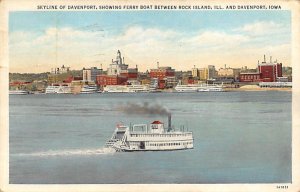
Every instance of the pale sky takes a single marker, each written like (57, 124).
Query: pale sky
(180, 39)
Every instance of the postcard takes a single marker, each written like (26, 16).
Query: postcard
(149, 95)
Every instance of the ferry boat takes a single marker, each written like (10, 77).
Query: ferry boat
(126, 88)
(87, 89)
(59, 89)
(199, 88)
(156, 137)
(18, 92)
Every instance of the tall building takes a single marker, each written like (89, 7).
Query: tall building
(195, 72)
(165, 75)
(117, 66)
(203, 73)
(211, 72)
(267, 72)
(270, 71)
(90, 74)
(117, 73)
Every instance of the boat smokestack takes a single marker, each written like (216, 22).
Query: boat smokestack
(264, 58)
(169, 122)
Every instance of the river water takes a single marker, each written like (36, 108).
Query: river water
(239, 137)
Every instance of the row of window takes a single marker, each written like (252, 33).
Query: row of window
(169, 144)
(160, 135)
(250, 77)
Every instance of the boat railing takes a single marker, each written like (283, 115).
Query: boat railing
(161, 135)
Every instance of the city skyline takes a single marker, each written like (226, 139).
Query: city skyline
(39, 41)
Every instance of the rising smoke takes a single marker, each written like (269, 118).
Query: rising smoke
(144, 108)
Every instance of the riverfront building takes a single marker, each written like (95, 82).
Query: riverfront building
(162, 72)
(270, 71)
(228, 72)
(117, 73)
(211, 72)
(90, 74)
(204, 73)
(267, 72)
(165, 76)
(104, 80)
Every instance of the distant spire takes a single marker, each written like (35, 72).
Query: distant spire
(119, 57)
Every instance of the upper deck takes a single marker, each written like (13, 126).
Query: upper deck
(169, 136)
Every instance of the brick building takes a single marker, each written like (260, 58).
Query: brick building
(250, 77)
(162, 72)
(103, 80)
(164, 75)
(267, 72)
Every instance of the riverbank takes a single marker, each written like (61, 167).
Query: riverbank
(258, 89)
(244, 88)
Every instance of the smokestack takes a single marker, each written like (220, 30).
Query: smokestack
(270, 59)
(264, 58)
(169, 122)
(123, 60)
(258, 62)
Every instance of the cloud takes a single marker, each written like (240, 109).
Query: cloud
(142, 46)
(216, 40)
(262, 28)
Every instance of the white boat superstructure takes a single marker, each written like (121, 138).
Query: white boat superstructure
(86, 89)
(187, 88)
(210, 88)
(59, 89)
(138, 88)
(140, 137)
(126, 88)
(115, 89)
(199, 88)
(18, 92)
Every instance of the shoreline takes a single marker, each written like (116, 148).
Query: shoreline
(240, 89)
(172, 91)
(257, 89)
